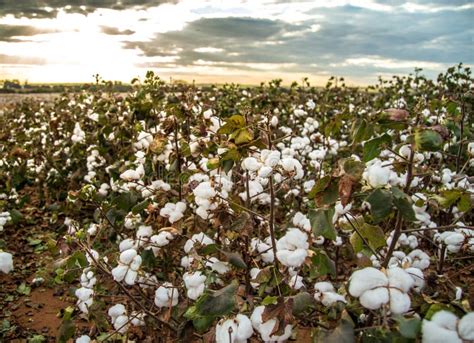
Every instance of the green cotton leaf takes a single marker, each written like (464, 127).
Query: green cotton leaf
(140, 206)
(213, 163)
(269, 300)
(236, 260)
(148, 258)
(125, 201)
(372, 234)
(381, 202)
(373, 147)
(264, 275)
(232, 123)
(428, 140)
(319, 186)
(16, 216)
(301, 302)
(409, 327)
(359, 131)
(328, 196)
(464, 204)
(323, 264)
(344, 333)
(66, 331)
(242, 136)
(321, 223)
(404, 204)
(218, 303)
(203, 324)
(353, 168)
(24, 289)
(448, 198)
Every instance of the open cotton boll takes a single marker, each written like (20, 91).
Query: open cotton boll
(194, 283)
(301, 221)
(83, 339)
(325, 293)
(376, 175)
(6, 262)
(418, 278)
(217, 266)
(237, 330)
(399, 278)
(296, 282)
(419, 259)
(399, 301)
(373, 299)
(126, 244)
(292, 248)
(166, 295)
(466, 327)
(265, 328)
(85, 300)
(366, 279)
(200, 238)
(441, 328)
(272, 158)
(251, 164)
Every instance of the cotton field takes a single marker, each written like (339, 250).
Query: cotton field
(231, 214)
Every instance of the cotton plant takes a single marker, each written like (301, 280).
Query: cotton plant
(119, 318)
(5, 217)
(6, 262)
(166, 295)
(292, 248)
(325, 293)
(376, 288)
(173, 212)
(234, 330)
(445, 326)
(265, 328)
(128, 267)
(195, 284)
(85, 299)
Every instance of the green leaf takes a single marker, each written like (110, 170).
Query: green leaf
(323, 264)
(353, 168)
(24, 289)
(373, 235)
(344, 333)
(16, 216)
(464, 204)
(319, 186)
(140, 206)
(125, 201)
(409, 327)
(321, 223)
(214, 304)
(236, 260)
(404, 204)
(373, 147)
(66, 331)
(269, 300)
(381, 202)
(301, 302)
(428, 140)
(242, 136)
(148, 258)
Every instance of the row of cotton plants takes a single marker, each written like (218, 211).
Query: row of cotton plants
(231, 214)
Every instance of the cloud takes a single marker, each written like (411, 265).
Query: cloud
(10, 33)
(115, 31)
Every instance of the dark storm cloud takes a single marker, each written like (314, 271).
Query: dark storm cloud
(9, 32)
(37, 8)
(344, 32)
(115, 31)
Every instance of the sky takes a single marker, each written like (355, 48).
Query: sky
(244, 41)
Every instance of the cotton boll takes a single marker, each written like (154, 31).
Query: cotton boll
(83, 339)
(326, 294)
(296, 282)
(251, 164)
(399, 301)
(373, 299)
(376, 175)
(466, 327)
(399, 278)
(266, 328)
(166, 295)
(365, 279)
(419, 259)
(445, 319)
(433, 333)
(418, 278)
(126, 244)
(127, 256)
(121, 324)
(6, 262)
(237, 330)
(292, 248)
(194, 283)
(200, 238)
